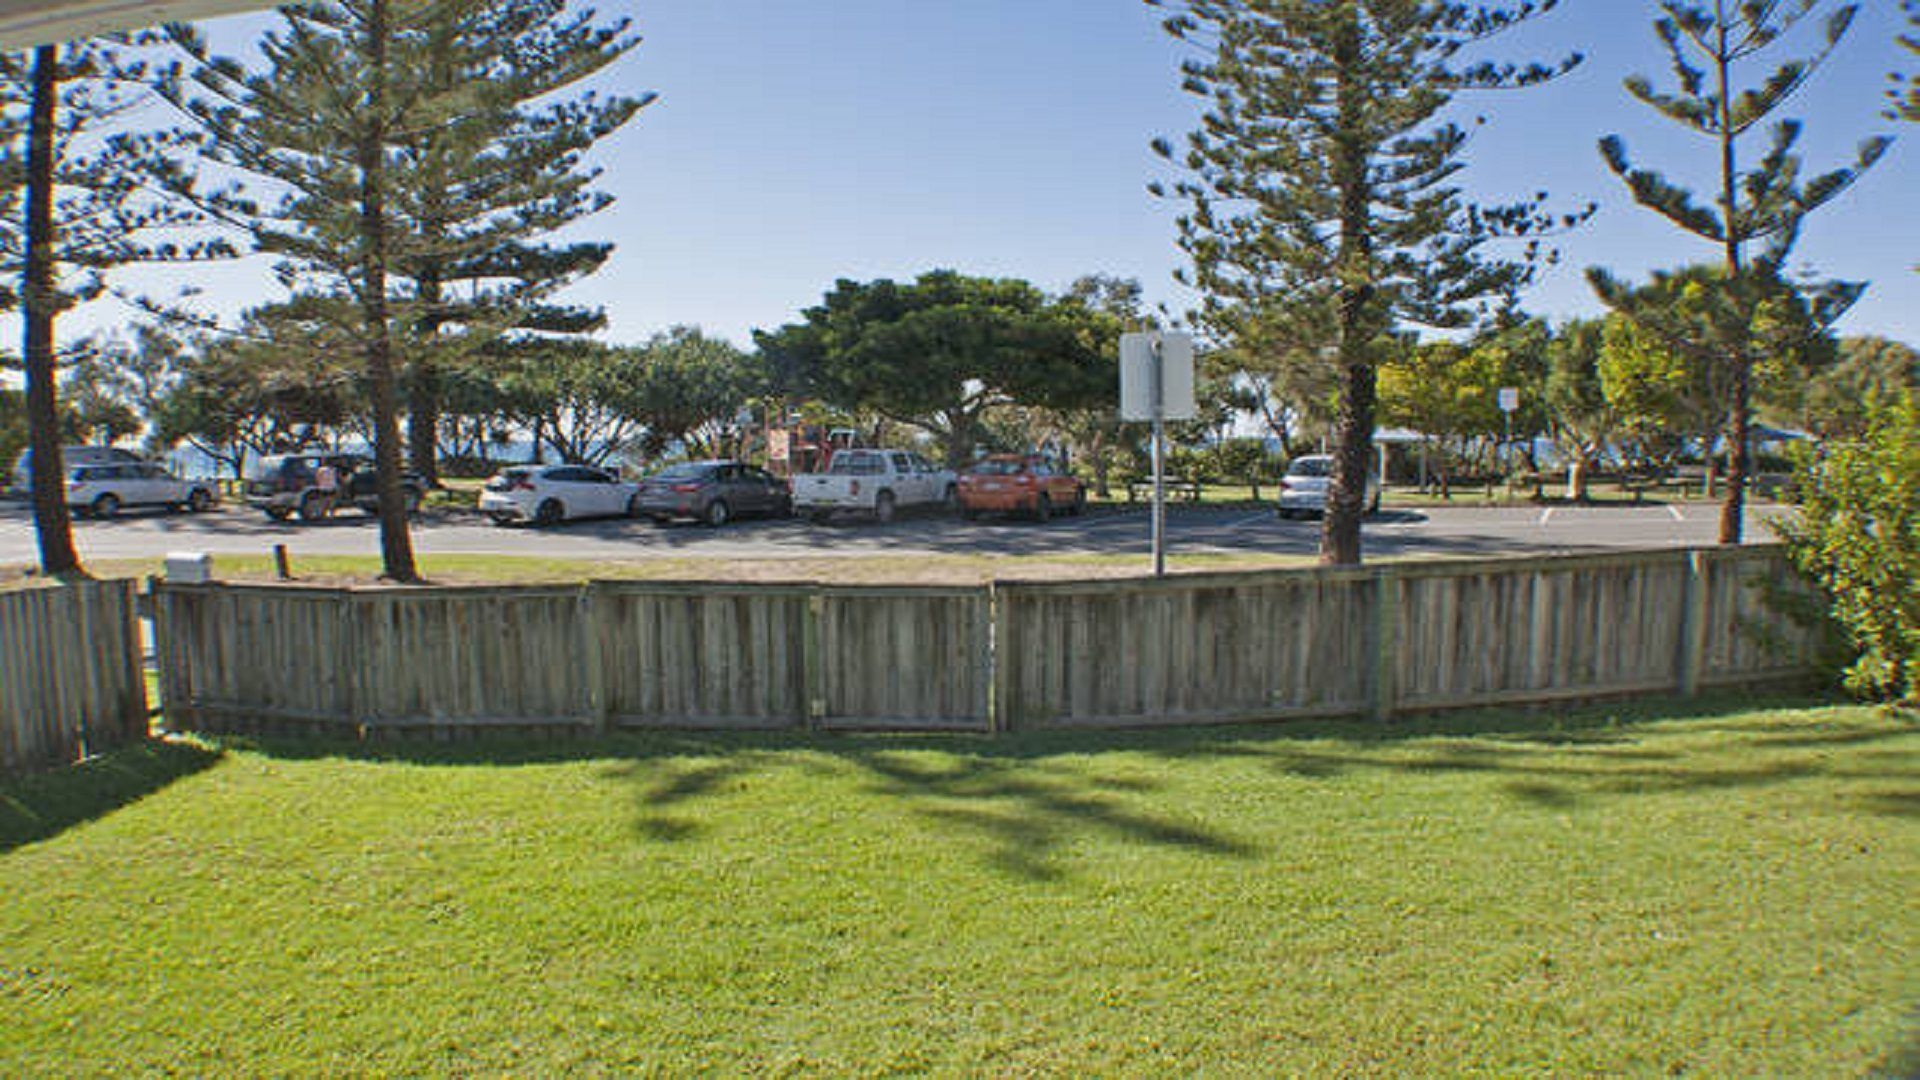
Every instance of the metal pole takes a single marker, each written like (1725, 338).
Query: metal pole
(1159, 470)
(1508, 448)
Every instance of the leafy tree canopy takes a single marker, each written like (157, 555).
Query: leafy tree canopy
(939, 351)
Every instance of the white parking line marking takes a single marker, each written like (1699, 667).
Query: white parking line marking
(1675, 511)
(1253, 519)
(1546, 515)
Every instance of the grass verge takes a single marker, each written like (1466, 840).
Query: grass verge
(1720, 891)
(838, 569)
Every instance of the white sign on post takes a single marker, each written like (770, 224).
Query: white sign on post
(1509, 399)
(1176, 376)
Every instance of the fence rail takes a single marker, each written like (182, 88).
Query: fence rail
(70, 678)
(1204, 648)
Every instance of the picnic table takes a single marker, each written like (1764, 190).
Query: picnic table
(1188, 490)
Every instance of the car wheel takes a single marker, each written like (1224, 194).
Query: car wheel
(549, 512)
(1042, 508)
(1079, 501)
(105, 506)
(883, 507)
(951, 500)
(313, 506)
(200, 501)
(633, 506)
(783, 508)
(717, 513)
(279, 513)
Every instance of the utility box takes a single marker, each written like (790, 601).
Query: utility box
(189, 567)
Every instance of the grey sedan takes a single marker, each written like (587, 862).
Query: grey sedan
(714, 492)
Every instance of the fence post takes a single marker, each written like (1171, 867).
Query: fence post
(162, 653)
(351, 664)
(593, 650)
(994, 636)
(1693, 623)
(1386, 627)
(137, 713)
(812, 663)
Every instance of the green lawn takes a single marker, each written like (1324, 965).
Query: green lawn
(1714, 890)
(491, 569)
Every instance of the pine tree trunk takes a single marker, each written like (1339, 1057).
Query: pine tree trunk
(396, 545)
(1734, 509)
(1353, 418)
(423, 422)
(423, 390)
(53, 526)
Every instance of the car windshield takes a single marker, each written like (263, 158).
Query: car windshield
(1311, 466)
(1000, 467)
(684, 472)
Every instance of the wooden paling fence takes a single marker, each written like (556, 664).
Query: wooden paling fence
(605, 655)
(1206, 648)
(1403, 637)
(70, 676)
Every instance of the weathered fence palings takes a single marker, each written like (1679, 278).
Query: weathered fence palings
(701, 655)
(1204, 648)
(1394, 638)
(611, 654)
(70, 678)
(898, 658)
(1533, 629)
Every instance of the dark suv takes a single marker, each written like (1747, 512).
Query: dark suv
(283, 485)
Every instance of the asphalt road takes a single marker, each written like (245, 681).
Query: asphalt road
(1426, 531)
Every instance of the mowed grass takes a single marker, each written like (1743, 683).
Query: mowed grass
(491, 569)
(1710, 890)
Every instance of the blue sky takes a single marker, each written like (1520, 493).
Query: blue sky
(796, 143)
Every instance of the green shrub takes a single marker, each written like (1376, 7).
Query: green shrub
(1856, 535)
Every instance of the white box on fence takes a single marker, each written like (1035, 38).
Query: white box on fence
(189, 567)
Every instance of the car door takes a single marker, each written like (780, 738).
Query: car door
(767, 488)
(608, 495)
(592, 492)
(131, 484)
(160, 487)
(909, 486)
(933, 484)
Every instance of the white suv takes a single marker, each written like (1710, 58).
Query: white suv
(102, 490)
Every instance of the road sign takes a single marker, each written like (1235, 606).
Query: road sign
(1137, 355)
(1509, 399)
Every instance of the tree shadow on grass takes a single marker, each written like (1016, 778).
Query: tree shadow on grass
(1026, 797)
(42, 805)
(1566, 761)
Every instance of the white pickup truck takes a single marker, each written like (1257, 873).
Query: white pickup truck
(876, 482)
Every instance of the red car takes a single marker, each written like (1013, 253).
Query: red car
(1009, 482)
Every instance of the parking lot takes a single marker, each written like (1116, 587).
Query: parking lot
(1432, 531)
